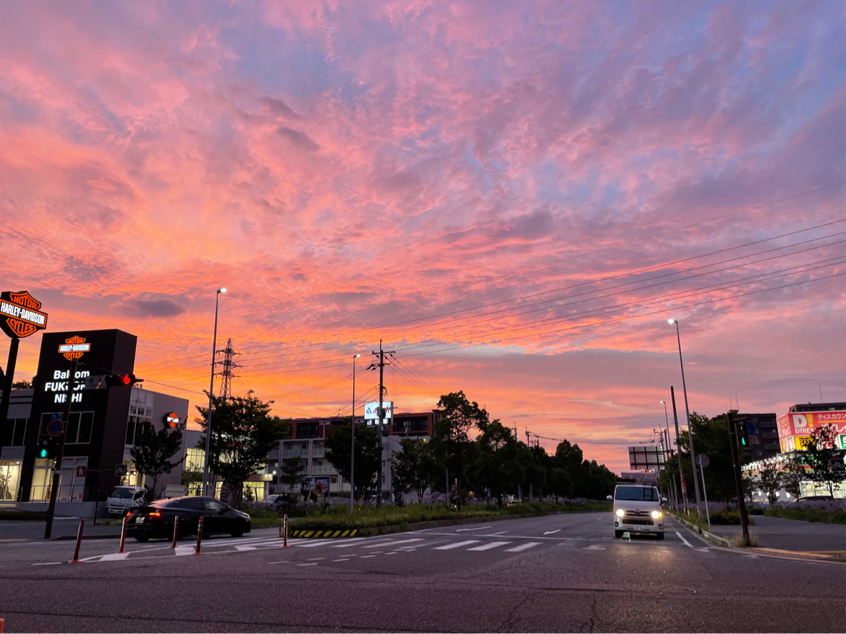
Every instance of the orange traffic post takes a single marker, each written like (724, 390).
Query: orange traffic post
(199, 537)
(75, 559)
(284, 531)
(1, 626)
(175, 531)
(123, 533)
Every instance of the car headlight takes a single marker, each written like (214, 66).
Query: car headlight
(620, 512)
(657, 514)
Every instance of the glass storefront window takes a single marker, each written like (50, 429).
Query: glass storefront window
(10, 473)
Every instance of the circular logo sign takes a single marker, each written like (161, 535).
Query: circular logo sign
(54, 427)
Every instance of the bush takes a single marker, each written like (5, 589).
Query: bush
(833, 512)
(756, 511)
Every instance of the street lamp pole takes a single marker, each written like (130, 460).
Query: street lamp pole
(352, 443)
(211, 396)
(689, 429)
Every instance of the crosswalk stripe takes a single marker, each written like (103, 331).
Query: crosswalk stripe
(184, 550)
(489, 546)
(394, 543)
(312, 543)
(457, 545)
(115, 557)
(522, 547)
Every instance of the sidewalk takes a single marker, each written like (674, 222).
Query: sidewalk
(792, 535)
(11, 532)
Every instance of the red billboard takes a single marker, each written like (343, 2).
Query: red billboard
(804, 423)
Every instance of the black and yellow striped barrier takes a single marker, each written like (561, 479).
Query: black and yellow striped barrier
(325, 534)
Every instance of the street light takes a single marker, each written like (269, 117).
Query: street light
(211, 396)
(667, 419)
(687, 413)
(352, 443)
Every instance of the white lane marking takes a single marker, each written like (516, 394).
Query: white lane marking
(686, 543)
(703, 550)
(243, 547)
(316, 559)
(393, 553)
(478, 528)
(183, 550)
(457, 545)
(499, 533)
(594, 547)
(523, 547)
(272, 563)
(334, 561)
(368, 556)
(402, 541)
(301, 565)
(489, 546)
(552, 532)
(48, 563)
(314, 543)
(358, 542)
(115, 557)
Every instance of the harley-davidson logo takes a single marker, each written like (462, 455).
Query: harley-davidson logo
(74, 347)
(20, 314)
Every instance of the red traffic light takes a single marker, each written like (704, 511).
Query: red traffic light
(125, 379)
(121, 380)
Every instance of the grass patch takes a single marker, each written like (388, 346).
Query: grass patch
(718, 518)
(824, 516)
(736, 541)
(340, 518)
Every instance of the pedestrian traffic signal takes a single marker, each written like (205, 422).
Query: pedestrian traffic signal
(43, 451)
(743, 435)
(121, 380)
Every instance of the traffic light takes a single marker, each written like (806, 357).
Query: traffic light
(43, 450)
(743, 435)
(122, 380)
(48, 447)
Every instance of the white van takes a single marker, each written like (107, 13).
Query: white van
(124, 498)
(638, 508)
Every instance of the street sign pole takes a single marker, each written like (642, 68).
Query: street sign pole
(703, 461)
(57, 469)
(7, 383)
(679, 453)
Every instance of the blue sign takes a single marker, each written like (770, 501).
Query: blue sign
(54, 427)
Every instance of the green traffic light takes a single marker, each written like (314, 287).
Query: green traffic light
(43, 453)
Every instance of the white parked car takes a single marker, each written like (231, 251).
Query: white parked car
(124, 498)
(638, 508)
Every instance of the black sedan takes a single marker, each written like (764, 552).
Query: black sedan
(157, 518)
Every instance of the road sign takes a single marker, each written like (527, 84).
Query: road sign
(80, 471)
(97, 382)
(54, 427)
(120, 469)
(702, 459)
(837, 466)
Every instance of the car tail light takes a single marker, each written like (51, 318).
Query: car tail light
(155, 514)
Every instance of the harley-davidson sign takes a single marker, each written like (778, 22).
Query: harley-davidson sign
(74, 347)
(20, 315)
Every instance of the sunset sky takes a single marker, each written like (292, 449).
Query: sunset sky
(514, 196)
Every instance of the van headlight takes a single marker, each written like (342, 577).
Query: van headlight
(619, 512)
(657, 515)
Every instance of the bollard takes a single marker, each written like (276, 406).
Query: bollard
(1, 626)
(199, 537)
(284, 531)
(75, 559)
(123, 533)
(175, 531)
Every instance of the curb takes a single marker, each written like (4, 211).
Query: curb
(720, 540)
(85, 538)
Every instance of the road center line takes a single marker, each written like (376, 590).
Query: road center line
(558, 530)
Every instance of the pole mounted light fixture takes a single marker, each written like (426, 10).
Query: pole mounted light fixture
(206, 483)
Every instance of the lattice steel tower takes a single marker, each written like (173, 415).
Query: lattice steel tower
(226, 374)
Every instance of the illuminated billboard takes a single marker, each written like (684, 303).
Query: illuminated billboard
(371, 410)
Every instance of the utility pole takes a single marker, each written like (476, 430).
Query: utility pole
(57, 469)
(738, 479)
(226, 374)
(678, 445)
(381, 354)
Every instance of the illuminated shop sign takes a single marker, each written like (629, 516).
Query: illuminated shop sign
(20, 315)
(74, 348)
(371, 410)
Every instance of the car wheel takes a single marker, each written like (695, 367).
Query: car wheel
(142, 538)
(659, 535)
(618, 534)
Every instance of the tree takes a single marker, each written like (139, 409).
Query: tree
(291, 477)
(495, 463)
(560, 482)
(570, 459)
(192, 479)
(22, 385)
(770, 480)
(415, 467)
(452, 439)
(368, 454)
(152, 455)
(243, 433)
(792, 477)
(820, 455)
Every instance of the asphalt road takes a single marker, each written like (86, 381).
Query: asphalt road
(555, 573)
